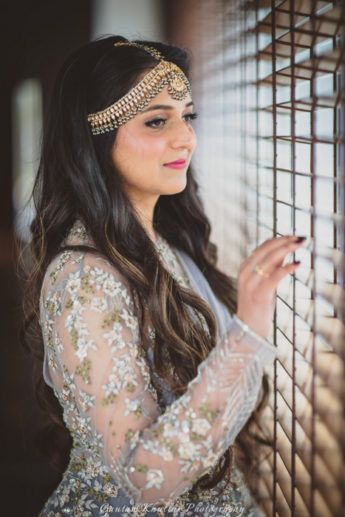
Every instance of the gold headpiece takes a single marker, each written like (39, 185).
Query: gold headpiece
(165, 73)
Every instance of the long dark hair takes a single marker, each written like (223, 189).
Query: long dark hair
(77, 179)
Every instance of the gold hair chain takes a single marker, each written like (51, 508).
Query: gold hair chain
(165, 73)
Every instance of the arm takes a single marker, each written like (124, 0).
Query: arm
(88, 318)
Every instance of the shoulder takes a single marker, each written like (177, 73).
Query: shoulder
(78, 263)
(84, 274)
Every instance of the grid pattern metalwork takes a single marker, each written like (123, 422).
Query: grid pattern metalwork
(269, 83)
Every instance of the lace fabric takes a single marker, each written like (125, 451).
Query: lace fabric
(152, 450)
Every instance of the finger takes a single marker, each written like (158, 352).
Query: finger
(282, 272)
(275, 259)
(266, 246)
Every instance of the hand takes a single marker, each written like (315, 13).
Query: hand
(257, 292)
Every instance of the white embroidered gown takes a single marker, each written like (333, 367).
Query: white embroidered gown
(137, 449)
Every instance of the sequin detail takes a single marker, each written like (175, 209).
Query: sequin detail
(131, 449)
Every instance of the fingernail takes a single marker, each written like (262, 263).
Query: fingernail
(300, 239)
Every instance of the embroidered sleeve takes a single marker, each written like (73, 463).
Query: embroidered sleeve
(102, 379)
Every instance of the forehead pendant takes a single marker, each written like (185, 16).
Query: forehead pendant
(165, 73)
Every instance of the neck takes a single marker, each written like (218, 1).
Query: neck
(144, 209)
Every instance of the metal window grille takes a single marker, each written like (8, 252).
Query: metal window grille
(268, 80)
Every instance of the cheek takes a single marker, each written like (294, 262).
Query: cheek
(195, 143)
(138, 158)
(139, 147)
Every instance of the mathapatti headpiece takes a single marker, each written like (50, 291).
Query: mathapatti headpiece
(165, 73)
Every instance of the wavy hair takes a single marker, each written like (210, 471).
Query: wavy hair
(77, 179)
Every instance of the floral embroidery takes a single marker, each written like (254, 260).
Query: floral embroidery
(84, 370)
(154, 478)
(63, 259)
(86, 401)
(128, 441)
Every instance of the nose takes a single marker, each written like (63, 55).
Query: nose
(183, 135)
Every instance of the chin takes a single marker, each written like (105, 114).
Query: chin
(175, 189)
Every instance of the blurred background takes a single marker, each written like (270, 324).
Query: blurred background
(268, 83)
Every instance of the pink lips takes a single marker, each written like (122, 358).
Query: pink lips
(178, 164)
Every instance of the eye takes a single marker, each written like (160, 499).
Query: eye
(191, 116)
(160, 122)
(153, 122)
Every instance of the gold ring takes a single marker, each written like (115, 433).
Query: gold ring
(260, 271)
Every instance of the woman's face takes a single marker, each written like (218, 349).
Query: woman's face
(153, 138)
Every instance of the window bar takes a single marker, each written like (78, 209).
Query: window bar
(243, 125)
(223, 88)
(338, 188)
(274, 132)
(293, 167)
(341, 232)
(257, 122)
(313, 255)
(339, 167)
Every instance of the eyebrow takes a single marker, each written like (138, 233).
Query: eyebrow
(165, 107)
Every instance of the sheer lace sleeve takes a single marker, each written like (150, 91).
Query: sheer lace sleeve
(90, 328)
